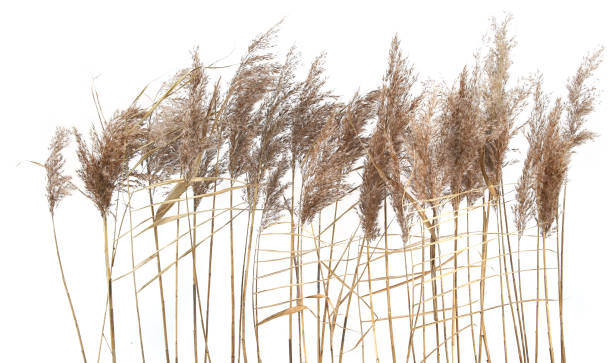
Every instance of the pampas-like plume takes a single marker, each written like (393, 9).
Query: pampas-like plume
(103, 162)
(59, 185)
(103, 167)
(523, 210)
(313, 107)
(396, 111)
(559, 139)
(188, 112)
(551, 169)
(425, 154)
(333, 154)
(372, 190)
(252, 81)
(501, 104)
(462, 133)
(270, 121)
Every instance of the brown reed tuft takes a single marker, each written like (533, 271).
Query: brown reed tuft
(425, 153)
(502, 104)
(559, 139)
(103, 162)
(312, 109)
(332, 155)
(59, 185)
(462, 134)
(270, 121)
(524, 210)
(188, 112)
(253, 79)
(396, 111)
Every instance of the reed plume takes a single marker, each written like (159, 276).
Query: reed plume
(103, 168)
(396, 110)
(333, 154)
(103, 162)
(60, 186)
(426, 148)
(248, 86)
(463, 136)
(502, 104)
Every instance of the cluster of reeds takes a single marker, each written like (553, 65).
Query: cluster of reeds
(314, 173)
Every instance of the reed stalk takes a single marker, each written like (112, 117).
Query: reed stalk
(109, 285)
(550, 342)
(561, 332)
(129, 206)
(389, 314)
(59, 261)
(161, 284)
(232, 284)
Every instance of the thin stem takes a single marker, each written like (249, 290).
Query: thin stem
(371, 301)
(550, 343)
(292, 251)
(134, 277)
(455, 324)
(562, 336)
(210, 254)
(434, 285)
(389, 314)
(59, 261)
(354, 284)
(233, 295)
(501, 288)
(161, 285)
(537, 315)
(245, 273)
(518, 298)
(483, 275)
(467, 226)
(176, 279)
(110, 291)
(326, 284)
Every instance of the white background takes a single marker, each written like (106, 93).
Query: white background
(51, 51)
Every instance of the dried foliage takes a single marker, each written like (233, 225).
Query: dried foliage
(502, 104)
(189, 112)
(268, 161)
(396, 111)
(425, 153)
(523, 210)
(423, 145)
(553, 149)
(313, 106)
(104, 162)
(462, 129)
(249, 86)
(59, 185)
(334, 152)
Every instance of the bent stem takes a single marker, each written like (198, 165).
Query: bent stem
(59, 261)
